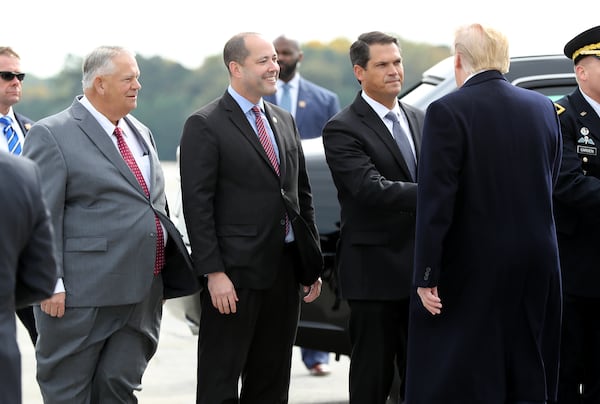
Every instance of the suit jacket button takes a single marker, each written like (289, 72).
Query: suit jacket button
(282, 222)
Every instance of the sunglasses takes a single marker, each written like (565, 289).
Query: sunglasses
(8, 76)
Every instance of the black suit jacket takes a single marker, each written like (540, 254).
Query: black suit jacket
(234, 202)
(377, 199)
(24, 122)
(27, 263)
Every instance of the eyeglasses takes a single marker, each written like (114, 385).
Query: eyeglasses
(9, 76)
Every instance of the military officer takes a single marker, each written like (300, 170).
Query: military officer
(577, 211)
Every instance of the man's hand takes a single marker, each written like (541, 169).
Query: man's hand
(222, 292)
(430, 299)
(313, 291)
(54, 306)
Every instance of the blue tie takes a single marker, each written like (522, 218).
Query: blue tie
(403, 144)
(286, 98)
(12, 139)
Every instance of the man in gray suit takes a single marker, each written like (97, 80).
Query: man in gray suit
(27, 263)
(105, 190)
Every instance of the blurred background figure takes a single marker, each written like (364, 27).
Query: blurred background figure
(312, 106)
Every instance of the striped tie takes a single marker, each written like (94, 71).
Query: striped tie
(12, 139)
(265, 140)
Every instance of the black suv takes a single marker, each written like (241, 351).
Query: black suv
(323, 323)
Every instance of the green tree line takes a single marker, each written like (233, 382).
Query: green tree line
(170, 92)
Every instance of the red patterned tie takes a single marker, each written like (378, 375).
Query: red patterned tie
(263, 136)
(265, 140)
(130, 160)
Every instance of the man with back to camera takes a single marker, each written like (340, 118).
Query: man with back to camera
(485, 309)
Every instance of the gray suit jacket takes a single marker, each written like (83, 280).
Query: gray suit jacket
(104, 224)
(27, 265)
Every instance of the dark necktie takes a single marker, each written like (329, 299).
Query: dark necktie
(286, 98)
(130, 160)
(403, 144)
(265, 140)
(12, 139)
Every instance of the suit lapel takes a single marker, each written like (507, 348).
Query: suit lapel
(147, 142)
(92, 129)
(586, 115)
(415, 127)
(239, 120)
(372, 120)
(277, 125)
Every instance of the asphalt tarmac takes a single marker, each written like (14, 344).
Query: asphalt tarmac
(171, 374)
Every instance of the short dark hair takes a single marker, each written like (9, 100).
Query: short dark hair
(235, 48)
(359, 51)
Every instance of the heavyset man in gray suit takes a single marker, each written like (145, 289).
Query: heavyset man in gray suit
(101, 327)
(27, 264)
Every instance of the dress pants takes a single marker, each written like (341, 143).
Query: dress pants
(97, 355)
(579, 376)
(312, 357)
(255, 343)
(26, 316)
(378, 334)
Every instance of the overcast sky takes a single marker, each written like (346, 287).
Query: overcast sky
(187, 31)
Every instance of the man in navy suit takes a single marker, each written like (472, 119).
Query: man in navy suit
(485, 311)
(312, 106)
(10, 94)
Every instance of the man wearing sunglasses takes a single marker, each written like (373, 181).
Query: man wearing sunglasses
(10, 94)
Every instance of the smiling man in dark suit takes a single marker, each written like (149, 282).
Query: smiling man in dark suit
(365, 150)
(311, 106)
(245, 191)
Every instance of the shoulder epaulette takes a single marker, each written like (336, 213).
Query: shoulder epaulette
(559, 108)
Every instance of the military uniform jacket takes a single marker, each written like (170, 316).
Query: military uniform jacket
(577, 196)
